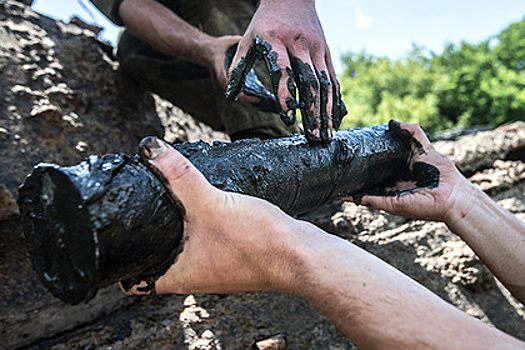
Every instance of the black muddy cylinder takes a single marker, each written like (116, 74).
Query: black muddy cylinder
(109, 218)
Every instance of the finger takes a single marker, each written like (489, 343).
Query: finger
(253, 90)
(396, 205)
(338, 106)
(283, 85)
(417, 134)
(325, 97)
(325, 106)
(143, 288)
(185, 182)
(243, 61)
(308, 86)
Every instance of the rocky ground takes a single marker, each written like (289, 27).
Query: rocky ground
(62, 98)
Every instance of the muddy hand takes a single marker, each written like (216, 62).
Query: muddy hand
(231, 242)
(290, 40)
(432, 187)
(253, 90)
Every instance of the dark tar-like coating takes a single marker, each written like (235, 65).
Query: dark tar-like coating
(110, 218)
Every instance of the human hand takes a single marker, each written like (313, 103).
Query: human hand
(253, 92)
(436, 186)
(231, 242)
(289, 38)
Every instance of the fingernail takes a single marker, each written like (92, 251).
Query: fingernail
(152, 147)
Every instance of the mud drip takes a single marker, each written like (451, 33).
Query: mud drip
(109, 218)
(254, 87)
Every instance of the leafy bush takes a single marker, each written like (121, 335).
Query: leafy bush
(466, 85)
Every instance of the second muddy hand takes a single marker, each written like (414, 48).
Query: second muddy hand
(288, 37)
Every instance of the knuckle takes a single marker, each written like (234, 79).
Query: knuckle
(177, 169)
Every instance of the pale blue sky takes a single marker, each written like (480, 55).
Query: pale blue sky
(380, 27)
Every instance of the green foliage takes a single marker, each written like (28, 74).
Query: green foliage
(466, 85)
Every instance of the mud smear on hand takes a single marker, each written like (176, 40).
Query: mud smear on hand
(307, 85)
(310, 83)
(291, 102)
(109, 218)
(422, 175)
(252, 86)
(261, 50)
(338, 106)
(325, 87)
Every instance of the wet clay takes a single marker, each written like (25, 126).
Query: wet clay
(90, 225)
(109, 218)
(254, 87)
(422, 175)
(338, 106)
(258, 51)
(325, 86)
(307, 85)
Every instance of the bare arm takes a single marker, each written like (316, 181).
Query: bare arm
(236, 243)
(378, 307)
(165, 31)
(168, 33)
(496, 236)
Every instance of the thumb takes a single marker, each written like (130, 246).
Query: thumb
(241, 64)
(185, 182)
(396, 205)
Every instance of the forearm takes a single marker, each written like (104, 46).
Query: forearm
(376, 306)
(496, 236)
(165, 31)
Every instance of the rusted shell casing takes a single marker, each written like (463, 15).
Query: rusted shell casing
(109, 218)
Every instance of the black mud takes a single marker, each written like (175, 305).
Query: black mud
(422, 175)
(308, 86)
(109, 219)
(338, 106)
(254, 87)
(260, 50)
(325, 87)
(309, 82)
(98, 222)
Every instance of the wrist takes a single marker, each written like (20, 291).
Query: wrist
(462, 204)
(200, 50)
(306, 249)
(284, 256)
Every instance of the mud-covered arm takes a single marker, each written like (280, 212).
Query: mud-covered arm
(496, 235)
(235, 243)
(288, 36)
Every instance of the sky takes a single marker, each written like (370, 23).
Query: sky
(380, 27)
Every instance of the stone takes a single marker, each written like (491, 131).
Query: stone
(276, 342)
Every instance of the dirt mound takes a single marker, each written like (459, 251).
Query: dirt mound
(62, 98)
